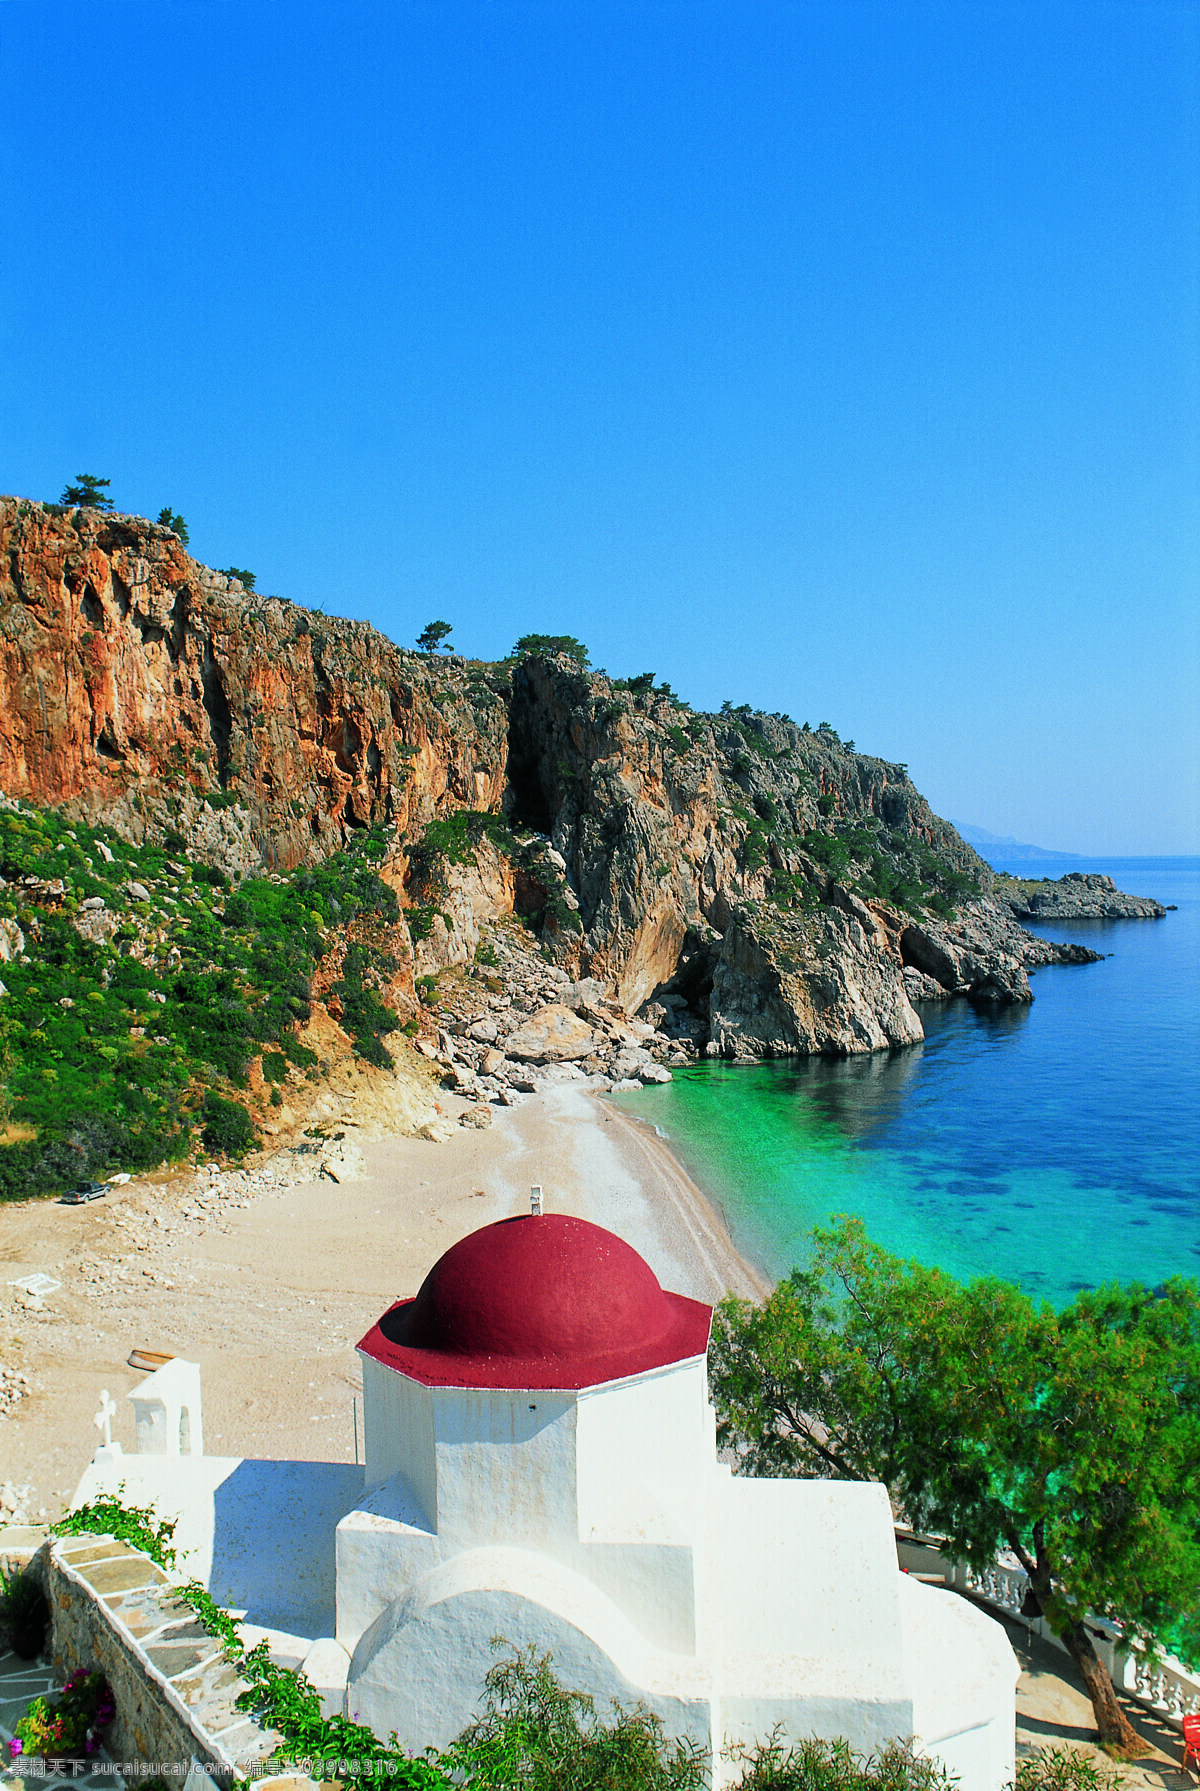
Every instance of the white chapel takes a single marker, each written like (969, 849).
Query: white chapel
(541, 1465)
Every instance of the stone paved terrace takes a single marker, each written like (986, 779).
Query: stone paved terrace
(113, 1608)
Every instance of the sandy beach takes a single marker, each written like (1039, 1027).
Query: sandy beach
(269, 1289)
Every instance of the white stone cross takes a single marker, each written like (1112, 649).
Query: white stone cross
(104, 1417)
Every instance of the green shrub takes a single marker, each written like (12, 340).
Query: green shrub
(83, 1145)
(830, 852)
(755, 846)
(558, 916)
(537, 1734)
(814, 1765)
(364, 1016)
(553, 643)
(23, 1606)
(228, 1128)
(1064, 1769)
(420, 918)
(457, 837)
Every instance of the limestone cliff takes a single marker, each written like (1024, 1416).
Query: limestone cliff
(758, 888)
(140, 688)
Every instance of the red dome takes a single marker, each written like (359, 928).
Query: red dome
(541, 1302)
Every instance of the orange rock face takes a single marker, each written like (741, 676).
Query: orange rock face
(135, 683)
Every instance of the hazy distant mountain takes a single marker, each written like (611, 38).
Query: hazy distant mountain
(1001, 845)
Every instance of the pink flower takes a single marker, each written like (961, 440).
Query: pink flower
(15, 1747)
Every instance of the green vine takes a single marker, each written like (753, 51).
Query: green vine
(284, 1699)
(134, 1524)
(215, 1619)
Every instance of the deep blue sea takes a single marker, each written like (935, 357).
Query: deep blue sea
(1057, 1145)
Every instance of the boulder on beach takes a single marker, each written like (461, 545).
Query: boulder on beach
(553, 1035)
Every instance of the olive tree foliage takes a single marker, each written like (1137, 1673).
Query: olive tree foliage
(1071, 1438)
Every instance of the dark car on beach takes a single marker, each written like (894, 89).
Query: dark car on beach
(84, 1192)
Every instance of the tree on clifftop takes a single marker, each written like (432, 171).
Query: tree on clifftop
(553, 643)
(433, 634)
(1071, 1438)
(89, 491)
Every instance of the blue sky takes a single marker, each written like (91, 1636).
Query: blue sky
(840, 358)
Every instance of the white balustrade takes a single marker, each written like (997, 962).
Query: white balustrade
(1164, 1684)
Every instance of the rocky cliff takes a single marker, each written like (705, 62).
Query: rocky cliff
(765, 887)
(142, 689)
(751, 886)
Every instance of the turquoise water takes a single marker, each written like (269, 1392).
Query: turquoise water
(1057, 1145)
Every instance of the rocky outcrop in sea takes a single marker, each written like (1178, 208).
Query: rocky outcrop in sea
(1080, 895)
